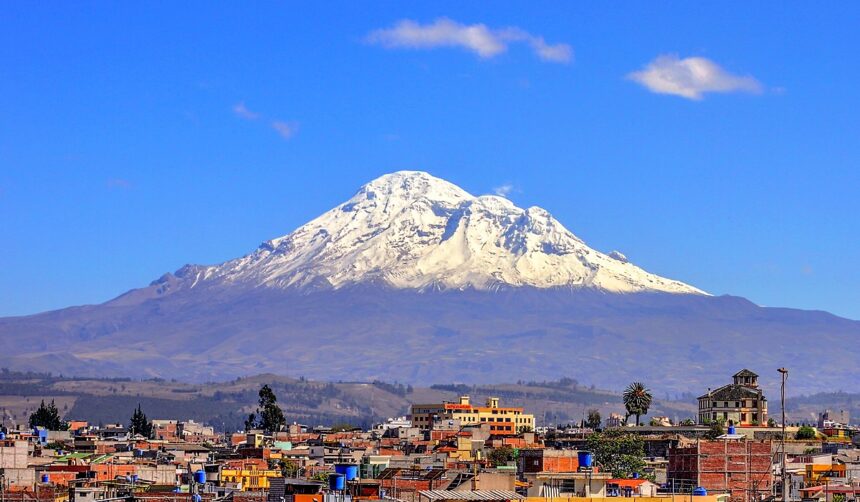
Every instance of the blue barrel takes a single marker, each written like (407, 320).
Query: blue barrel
(586, 459)
(200, 476)
(2, 435)
(45, 478)
(196, 498)
(635, 475)
(699, 491)
(336, 482)
(731, 429)
(349, 471)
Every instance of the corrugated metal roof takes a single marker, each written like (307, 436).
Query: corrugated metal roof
(471, 495)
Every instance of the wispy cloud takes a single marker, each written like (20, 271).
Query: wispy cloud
(477, 38)
(691, 77)
(242, 111)
(118, 184)
(503, 190)
(286, 129)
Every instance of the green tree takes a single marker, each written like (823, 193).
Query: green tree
(637, 400)
(594, 419)
(47, 416)
(618, 451)
(269, 416)
(688, 422)
(289, 469)
(716, 429)
(771, 422)
(502, 455)
(139, 424)
(805, 432)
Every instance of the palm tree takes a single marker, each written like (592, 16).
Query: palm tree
(637, 400)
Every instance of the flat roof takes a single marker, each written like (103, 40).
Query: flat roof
(471, 495)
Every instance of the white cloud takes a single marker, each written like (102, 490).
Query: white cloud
(503, 190)
(242, 111)
(286, 129)
(691, 77)
(477, 38)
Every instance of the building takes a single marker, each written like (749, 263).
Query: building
(740, 403)
(501, 421)
(548, 460)
(739, 468)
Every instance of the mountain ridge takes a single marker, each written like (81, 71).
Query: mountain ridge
(411, 230)
(296, 305)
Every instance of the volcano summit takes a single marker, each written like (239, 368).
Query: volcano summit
(417, 280)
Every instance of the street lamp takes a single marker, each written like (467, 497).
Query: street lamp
(784, 374)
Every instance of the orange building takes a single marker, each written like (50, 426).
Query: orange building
(501, 421)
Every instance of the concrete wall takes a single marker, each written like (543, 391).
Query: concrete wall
(13, 454)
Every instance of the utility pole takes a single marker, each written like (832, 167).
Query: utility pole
(784, 373)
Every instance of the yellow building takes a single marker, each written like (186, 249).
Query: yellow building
(249, 480)
(822, 473)
(502, 421)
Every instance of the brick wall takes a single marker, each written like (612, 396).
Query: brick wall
(740, 468)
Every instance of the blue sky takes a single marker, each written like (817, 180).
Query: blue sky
(713, 143)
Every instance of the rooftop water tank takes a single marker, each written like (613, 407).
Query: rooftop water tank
(2, 436)
(699, 491)
(349, 471)
(45, 478)
(586, 459)
(336, 482)
(635, 475)
(196, 498)
(200, 476)
(731, 429)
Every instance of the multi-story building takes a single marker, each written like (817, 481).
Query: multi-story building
(739, 403)
(501, 421)
(742, 469)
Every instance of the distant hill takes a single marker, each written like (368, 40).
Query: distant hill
(225, 405)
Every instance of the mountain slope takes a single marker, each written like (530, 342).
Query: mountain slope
(414, 279)
(412, 230)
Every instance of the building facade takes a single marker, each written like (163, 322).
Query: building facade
(742, 469)
(739, 403)
(502, 421)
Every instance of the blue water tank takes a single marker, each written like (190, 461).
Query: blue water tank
(134, 478)
(635, 475)
(586, 459)
(177, 490)
(731, 429)
(45, 478)
(2, 435)
(200, 476)
(336, 482)
(349, 471)
(196, 498)
(699, 491)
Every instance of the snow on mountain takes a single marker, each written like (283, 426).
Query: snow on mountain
(411, 230)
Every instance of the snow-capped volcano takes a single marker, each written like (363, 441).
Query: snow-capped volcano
(412, 230)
